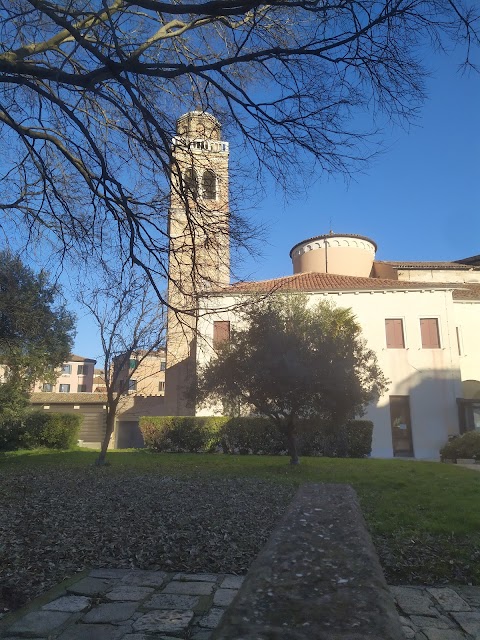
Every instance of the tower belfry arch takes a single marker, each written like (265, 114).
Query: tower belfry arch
(199, 251)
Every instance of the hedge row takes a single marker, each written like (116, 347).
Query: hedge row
(40, 429)
(253, 436)
(466, 446)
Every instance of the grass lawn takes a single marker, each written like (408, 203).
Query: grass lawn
(424, 517)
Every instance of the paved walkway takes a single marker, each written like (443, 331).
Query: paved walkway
(121, 604)
(446, 613)
(117, 604)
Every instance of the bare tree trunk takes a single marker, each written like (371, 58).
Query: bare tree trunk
(110, 425)
(292, 442)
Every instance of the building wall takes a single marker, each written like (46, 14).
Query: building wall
(148, 373)
(439, 275)
(430, 377)
(467, 319)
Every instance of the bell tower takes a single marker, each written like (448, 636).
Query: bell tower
(199, 253)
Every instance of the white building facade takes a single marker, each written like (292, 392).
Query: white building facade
(425, 333)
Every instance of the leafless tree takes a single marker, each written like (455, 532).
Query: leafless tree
(131, 324)
(90, 91)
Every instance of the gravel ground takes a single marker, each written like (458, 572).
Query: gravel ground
(56, 523)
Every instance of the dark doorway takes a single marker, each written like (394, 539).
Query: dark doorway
(401, 426)
(129, 435)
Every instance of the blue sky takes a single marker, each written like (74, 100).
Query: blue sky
(420, 200)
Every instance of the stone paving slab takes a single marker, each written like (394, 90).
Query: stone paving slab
(224, 597)
(232, 582)
(129, 594)
(90, 586)
(121, 604)
(94, 632)
(449, 599)
(145, 578)
(189, 588)
(40, 623)
(171, 601)
(70, 604)
(165, 621)
(110, 613)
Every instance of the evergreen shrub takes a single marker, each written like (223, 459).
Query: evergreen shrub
(466, 446)
(250, 435)
(181, 434)
(38, 429)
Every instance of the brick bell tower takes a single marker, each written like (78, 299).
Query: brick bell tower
(199, 254)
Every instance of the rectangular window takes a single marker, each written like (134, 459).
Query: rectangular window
(430, 334)
(64, 388)
(163, 365)
(132, 385)
(132, 364)
(161, 385)
(81, 388)
(394, 333)
(221, 332)
(82, 369)
(47, 387)
(67, 368)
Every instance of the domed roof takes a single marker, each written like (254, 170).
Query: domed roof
(345, 254)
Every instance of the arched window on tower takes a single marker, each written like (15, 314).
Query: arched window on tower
(190, 182)
(209, 185)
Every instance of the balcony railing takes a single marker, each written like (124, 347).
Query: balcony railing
(215, 146)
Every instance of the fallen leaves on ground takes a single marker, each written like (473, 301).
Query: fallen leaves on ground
(56, 523)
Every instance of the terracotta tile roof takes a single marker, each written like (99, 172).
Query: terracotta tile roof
(68, 398)
(74, 358)
(467, 291)
(471, 260)
(312, 281)
(405, 264)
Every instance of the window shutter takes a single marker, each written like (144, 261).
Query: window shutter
(221, 332)
(389, 333)
(394, 333)
(429, 333)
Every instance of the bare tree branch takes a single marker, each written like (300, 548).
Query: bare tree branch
(90, 92)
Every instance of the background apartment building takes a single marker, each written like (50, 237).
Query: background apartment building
(74, 376)
(142, 373)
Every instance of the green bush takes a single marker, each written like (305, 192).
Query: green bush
(11, 433)
(40, 429)
(181, 434)
(320, 438)
(249, 435)
(466, 446)
(359, 438)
